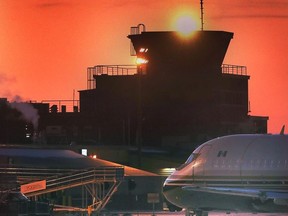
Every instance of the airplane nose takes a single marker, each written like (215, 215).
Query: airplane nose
(169, 197)
(165, 189)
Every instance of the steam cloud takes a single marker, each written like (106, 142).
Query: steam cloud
(29, 113)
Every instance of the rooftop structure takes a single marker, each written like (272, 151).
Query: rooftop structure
(179, 92)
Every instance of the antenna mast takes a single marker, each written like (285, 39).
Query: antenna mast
(202, 14)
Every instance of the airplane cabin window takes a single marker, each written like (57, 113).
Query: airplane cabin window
(222, 154)
(190, 159)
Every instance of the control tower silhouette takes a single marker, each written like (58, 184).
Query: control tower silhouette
(181, 92)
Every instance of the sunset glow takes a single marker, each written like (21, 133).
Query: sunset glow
(46, 46)
(185, 21)
(185, 25)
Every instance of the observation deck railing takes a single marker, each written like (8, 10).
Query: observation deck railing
(125, 70)
(234, 69)
(111, 70)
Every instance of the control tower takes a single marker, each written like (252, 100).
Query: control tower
(169, 54)
(187, 86)
(181, 92)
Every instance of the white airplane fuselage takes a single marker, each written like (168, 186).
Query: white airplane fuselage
(237, 173)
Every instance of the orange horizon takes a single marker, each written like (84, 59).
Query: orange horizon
(46, 46)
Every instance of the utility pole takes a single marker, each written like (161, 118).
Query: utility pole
(139, 117)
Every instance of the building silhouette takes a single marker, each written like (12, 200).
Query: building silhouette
(180, 92)
(179, 95)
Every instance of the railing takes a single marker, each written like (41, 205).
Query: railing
(64, 178)
(125, 70)
(105, 174)
(56, 181)
(111, 70)
(234, 69)
(135, 30)
(26, 175)
(63, 105)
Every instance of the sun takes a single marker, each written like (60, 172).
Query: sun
(184, 23)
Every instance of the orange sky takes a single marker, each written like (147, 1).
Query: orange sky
(46, 45)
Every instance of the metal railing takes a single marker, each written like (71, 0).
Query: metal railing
(26, 175)
(234, 69)
(61, 179)
(125, 70)
(94, 175)
(63, 106)
(110, 70)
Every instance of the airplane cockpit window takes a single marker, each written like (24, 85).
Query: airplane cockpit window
(190, 159)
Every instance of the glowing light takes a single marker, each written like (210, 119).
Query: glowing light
(143, 50)
(184, 22)
(186, 25)
(140, 61)
(84, 152)
(168, 170)
(196, 164)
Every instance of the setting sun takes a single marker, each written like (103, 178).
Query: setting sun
(185, 22)
(186, 25)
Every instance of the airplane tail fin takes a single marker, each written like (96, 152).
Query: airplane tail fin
(282, 130)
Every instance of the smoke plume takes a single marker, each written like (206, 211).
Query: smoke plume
(29, 113)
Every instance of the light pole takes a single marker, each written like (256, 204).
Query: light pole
(141, 62)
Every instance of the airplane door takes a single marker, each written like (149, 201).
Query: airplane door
(202, 161)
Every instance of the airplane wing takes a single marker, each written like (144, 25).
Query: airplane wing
(279, 196)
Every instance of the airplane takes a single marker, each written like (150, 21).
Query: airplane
(245, 173)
